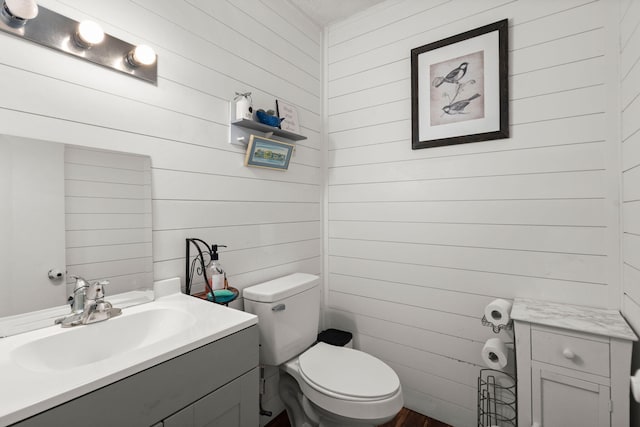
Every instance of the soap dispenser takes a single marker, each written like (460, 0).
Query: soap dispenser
(215, 272)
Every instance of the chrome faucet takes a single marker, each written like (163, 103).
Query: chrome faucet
(76, 300)
(88, 304)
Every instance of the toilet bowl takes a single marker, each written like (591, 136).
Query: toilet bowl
(343, 387)
(320, 384)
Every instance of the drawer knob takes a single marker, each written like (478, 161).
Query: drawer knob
(568, 353)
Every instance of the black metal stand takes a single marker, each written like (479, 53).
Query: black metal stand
(497, 399)
(497, 391)
(497, 328)
(191, 266)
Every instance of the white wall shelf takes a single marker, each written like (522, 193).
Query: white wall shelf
(240, 131)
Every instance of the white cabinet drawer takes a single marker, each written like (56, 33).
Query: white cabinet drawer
(570, 352)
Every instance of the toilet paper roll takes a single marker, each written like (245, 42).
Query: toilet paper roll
(498, 312)
(635, 386)
(495, 353)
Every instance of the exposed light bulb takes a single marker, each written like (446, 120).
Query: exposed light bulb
(17, 12)
(88, 34)
(141, 55)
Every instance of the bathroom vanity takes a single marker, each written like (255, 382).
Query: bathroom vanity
(177, 361)
(573, 365)
(214, 383)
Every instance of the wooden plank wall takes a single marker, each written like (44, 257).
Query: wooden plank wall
(208, 50)
(270, 220)
(630, 137)
(420, 241)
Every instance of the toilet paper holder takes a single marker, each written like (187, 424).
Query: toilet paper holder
(497, 314)
(497, 328)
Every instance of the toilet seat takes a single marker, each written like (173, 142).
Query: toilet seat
(347, 382)
(348, 374)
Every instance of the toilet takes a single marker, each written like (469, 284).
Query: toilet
(320, 384)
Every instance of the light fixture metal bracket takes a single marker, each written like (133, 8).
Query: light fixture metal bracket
(56, 31)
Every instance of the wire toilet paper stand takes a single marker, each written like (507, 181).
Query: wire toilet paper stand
(497, 390)
(497, 399)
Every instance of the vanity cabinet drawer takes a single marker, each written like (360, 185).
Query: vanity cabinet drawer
(570, 352)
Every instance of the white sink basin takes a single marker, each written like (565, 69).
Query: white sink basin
(43, 368)
(92, 343)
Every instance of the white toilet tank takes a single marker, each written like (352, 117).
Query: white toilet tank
(288, 310)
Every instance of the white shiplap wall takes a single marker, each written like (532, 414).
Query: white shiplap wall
(207, 50)
(630, 137)
(420, 241)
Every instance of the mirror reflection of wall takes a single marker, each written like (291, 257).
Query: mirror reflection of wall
(108, 217)
(77, 209)
(31, 224)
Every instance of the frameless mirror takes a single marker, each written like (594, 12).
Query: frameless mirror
(70, 210)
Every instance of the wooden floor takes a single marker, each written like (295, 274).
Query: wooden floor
(406, 418)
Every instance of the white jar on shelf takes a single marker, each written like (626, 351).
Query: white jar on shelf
(242, 107)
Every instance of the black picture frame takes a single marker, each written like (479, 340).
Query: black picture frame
(460, 89)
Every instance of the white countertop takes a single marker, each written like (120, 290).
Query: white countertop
(597, 321)
(25, 392)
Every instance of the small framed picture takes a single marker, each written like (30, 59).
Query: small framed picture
(268, 153)
(289, 115)
(459, 88)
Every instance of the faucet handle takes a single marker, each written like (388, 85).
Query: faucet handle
(80, 282)
(96, 290)
(100, 289)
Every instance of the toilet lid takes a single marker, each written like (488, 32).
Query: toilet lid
(347, 372)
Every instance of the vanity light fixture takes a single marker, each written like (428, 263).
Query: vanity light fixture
(88, 34)
(85, 40)
(16, 13)
(141, 55)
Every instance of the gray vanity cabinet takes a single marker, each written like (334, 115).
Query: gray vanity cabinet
(214, 385)
(225, 407)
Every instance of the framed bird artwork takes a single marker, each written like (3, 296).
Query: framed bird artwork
(459, 88)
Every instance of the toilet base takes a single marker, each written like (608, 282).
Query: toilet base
(292, 397)
(304, 413)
